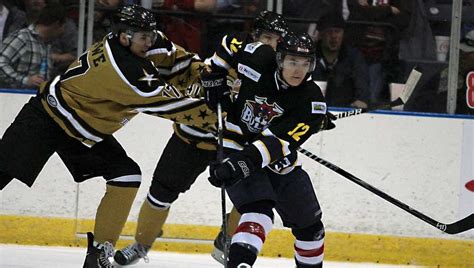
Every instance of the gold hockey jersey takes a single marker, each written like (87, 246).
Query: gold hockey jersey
(108, 85)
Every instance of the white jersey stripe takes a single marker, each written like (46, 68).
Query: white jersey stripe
(124, 79)
(233, 128)
(155, 202)
(264, 153)
(168, 107)
(128, 178)
(69, 116)
(232, 145)
(193, 132)
(176, 68)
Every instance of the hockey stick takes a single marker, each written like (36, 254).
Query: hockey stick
(410, 85)
(220, 157)
(454, 228)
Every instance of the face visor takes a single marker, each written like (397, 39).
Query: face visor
(142, 37)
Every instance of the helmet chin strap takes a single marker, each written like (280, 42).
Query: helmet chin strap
(280, 80)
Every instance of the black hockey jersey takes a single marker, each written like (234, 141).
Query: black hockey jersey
(107, 86)
(269, 118)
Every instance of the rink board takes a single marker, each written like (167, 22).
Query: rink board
(422, 161)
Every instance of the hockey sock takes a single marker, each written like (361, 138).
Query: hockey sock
(240, 254)
(112, 213)
(309, 246)
(150, 223)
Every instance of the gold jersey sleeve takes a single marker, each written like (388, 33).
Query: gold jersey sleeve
(107, 86)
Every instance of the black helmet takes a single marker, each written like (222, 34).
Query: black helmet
(133, 18)
(271, 22)
(299, 44)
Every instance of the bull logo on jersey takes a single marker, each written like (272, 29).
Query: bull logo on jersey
(258, 114)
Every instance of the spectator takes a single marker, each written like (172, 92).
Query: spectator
(11, 19)
(102, 18)
(465, 88)
(379, 44)
(33, 9)
(417, 42)
(304, 9)
(341, 66)
(22, 54)
(218, 27)
(185, 32)
(64, 48)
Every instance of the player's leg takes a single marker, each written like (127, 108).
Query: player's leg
(299, 209)
(254, 198)
(27, 144)
(179, 166)
(123, 176)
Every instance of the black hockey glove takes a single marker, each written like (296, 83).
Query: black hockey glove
(233, 169)
(328, 123)
(215, 88)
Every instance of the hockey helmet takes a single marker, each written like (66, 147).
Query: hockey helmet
(133, 18)
(271, 22)
(299, 44)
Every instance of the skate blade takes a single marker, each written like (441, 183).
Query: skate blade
(218, 255)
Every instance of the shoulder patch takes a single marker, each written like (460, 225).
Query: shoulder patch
(318, 107)
(248, 72)
(250, 48)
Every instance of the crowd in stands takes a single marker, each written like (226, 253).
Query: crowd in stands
(363, 45)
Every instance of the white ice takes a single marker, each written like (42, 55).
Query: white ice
(15, 256)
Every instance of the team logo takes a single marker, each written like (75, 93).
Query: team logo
(51, 100)
(258, 114)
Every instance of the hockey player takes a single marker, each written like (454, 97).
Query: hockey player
(277, 109)
(76, 114)
(190, 149)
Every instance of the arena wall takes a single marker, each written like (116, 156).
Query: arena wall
(423, 161)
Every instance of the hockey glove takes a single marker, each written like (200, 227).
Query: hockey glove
(215, 88)
(233, 169)
(328, 123)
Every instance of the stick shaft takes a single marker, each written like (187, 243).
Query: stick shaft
(220, 157)
(454, 228)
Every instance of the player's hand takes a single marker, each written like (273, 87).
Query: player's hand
(215, 87)
(328, 122)
(35, 80)
(233, 169)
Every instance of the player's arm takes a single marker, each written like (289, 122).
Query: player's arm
(177, 66)
(225, 55)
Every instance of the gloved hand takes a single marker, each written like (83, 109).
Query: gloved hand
(233, 169)
(215, 87)
(328, 123)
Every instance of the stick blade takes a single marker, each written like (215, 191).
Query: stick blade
(410, 85)
(459, 226)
